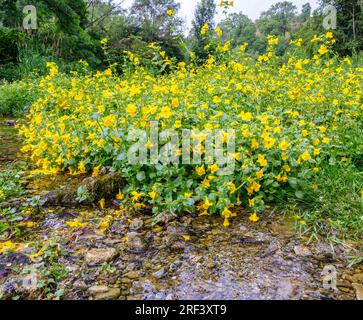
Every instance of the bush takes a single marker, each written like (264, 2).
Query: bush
(10, 42)
(287, 118)
(15, 97)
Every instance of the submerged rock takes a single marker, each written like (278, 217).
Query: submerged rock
(159, 274)
(96, 256)
(358, 290)
(104, 292)
(136, 224)
(136, 243)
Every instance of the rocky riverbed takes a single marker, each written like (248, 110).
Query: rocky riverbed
(116, 253)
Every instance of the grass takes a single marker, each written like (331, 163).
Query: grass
(331, 203)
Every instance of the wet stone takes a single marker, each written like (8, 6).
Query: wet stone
(96, 256)
(302, 251)
(177, 231)
(118, 228)
(132, 275)
(136, 224)
(159, 274)
(98, 289)
(358, 290)
(136, 243)
(111, 294)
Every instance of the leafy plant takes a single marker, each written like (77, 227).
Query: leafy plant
(10, 185)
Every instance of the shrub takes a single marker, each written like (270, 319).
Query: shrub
(15, 97)
(286, 115)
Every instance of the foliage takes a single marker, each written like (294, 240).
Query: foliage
(14, 97)
(203, 19)
(349, 33)
(10, 41)
(10, 185)
(287, 116)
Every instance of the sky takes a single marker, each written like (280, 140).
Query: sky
(251, 8)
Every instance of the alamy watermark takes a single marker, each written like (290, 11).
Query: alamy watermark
(329, 277)
(30, 20)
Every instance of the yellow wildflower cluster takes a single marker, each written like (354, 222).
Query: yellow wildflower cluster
(286, 116)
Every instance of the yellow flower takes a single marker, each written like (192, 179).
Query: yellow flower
(219, 31)
(329, 35)
(81, 167)
(108, 72)
(323, 50)
(259, 174)
(76, 224)
(165, 113)
(188, 195)
(262, 160)
(153, 195)
(316, 151)
(96, 171)
(206, 205)
(306, 156)
(284, 145)
(226, 223)
(245, 116)
(120, 196)
(213, 168)
(251, 202)
(272, 40)
(206, 182)
(102, 203)
(254, 144)
(136, 196)
(232, 188)
(254, 217)
(200, 171)
(204, 29)
(175, 102)
(170, 13)
(131, 110)
(108, 121)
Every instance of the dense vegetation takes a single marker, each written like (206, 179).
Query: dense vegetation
(291, 90)
(68, 31)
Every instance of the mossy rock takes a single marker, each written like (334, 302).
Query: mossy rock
(106, 187)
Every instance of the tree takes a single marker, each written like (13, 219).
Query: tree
(157, 21)
(204, 14)
(239, 28)
(279, 19)
(349, 31)
(10, 13)
(305, 12)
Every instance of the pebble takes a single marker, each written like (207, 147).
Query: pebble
(159, 274)
(136, 243)
(302, 251)
(132, 275)
(358, 290)
(111, 294)
(136, 224)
